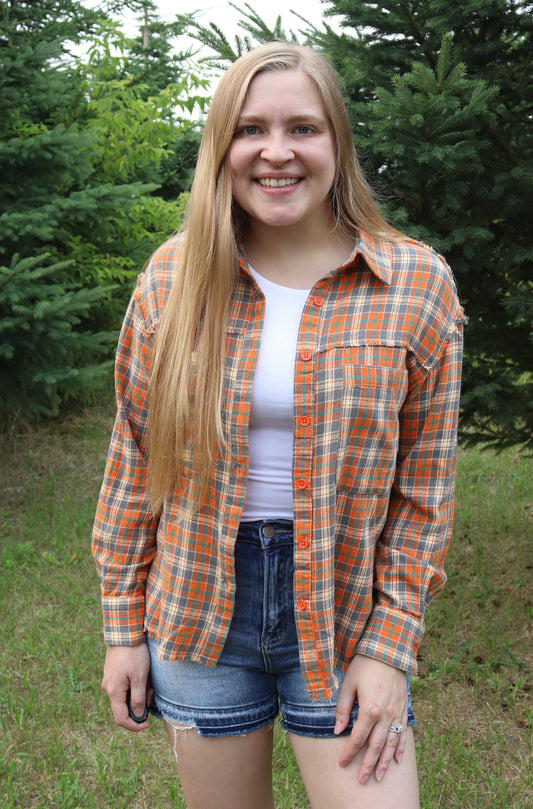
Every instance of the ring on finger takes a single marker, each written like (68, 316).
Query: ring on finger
(396, 728)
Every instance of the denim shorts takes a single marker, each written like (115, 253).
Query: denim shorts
(258, 674)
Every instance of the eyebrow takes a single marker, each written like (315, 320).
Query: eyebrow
(301, 117)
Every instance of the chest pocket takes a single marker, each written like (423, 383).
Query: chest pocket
(372, 397)
(371, 400)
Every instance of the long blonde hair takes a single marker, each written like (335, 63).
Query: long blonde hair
(185, 418)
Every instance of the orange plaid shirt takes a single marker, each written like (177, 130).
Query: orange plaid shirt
(376, 393)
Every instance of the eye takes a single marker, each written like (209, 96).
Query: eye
(251, 129)
(303, 129)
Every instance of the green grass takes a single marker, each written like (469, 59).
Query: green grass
(58, 745)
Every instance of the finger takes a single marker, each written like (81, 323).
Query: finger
(119, 709)
(135, 727)
(387, 754)
(376, 745)
(343, 708)
(121, 715)
(137, 701)
(355, 742)
(122, 718)
(400, 749)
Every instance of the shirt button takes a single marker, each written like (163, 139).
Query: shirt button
(304, 421)
(302, 483)
(318, 301)
(303, 542)
(302, 605)
(306, 356)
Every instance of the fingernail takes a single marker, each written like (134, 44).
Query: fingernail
(337, 729)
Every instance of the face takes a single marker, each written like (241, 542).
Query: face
(282, 157)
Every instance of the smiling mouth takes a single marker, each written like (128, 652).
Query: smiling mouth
(272, 182)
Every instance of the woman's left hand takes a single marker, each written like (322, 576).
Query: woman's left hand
(381, 692)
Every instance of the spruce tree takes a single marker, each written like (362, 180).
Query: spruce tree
(45, 357)
(155, 62)
(441, 101)
(45, 166)
(80, 146)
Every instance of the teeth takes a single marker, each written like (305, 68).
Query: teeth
(271, 182)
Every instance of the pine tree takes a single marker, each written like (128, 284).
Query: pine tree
(441, 100)
(51, 188)
(156, 61)
(80, 146)
(443, 92)
(45, 358)
(149, 86)
(44, 195)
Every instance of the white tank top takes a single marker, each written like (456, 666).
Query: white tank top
(270, 432)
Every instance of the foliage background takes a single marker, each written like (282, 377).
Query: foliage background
(441, 100)
(98, 138)
(97, 142)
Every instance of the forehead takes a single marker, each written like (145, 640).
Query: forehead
(274, 91)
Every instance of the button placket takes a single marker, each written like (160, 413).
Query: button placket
(304, 442)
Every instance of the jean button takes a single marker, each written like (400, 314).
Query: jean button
(269, 531)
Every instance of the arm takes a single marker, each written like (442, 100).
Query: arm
(411, 549)
(409, 561)
(125, 529)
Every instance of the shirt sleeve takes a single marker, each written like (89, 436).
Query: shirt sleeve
(410, 552)
(123, 543)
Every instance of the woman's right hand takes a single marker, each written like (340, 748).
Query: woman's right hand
(126, 669)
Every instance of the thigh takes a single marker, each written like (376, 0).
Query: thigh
(329, 785)
(226, 772)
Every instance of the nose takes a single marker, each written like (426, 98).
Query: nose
(277, 148)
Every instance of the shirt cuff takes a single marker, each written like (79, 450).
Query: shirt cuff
(393, 637)
(123, 620)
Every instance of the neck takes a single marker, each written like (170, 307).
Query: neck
(296, 257)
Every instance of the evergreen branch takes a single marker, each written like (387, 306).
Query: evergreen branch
(502, 144)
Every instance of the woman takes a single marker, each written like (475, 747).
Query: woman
(279, 490)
